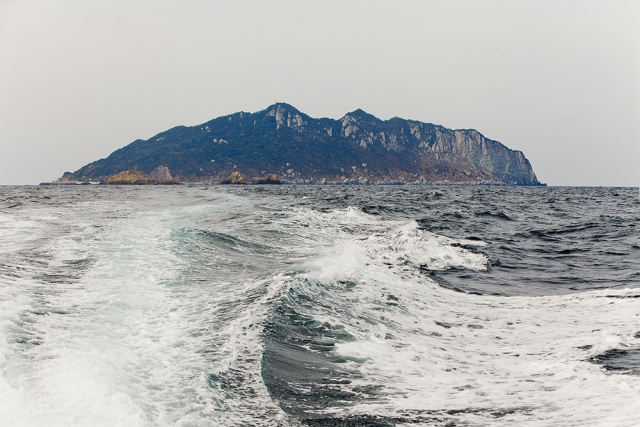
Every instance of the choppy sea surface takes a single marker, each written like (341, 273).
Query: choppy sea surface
(319, 306)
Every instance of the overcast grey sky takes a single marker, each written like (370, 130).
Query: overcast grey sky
(556, 79)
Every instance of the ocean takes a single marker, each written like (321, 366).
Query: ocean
(319, 306)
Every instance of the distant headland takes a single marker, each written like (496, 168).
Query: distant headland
(283, 145)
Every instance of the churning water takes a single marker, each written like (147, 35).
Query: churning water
(319, 306)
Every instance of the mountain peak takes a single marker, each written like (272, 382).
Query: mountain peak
(360, 114)
(282, 106)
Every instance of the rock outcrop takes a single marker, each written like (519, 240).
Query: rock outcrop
(131, 178)
(235, 178)
(356, 149)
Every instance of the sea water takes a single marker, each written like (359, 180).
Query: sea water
(319, 306)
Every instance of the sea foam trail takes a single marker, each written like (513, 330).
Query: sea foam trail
(129, 339)
(174, 306)
(103, 335)
(419, 353)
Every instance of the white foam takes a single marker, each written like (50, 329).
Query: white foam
(517, 356)
(408, 243)
(353, 238)
(17, 233)
(128, 342)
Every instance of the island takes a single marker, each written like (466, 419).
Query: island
(281, 145)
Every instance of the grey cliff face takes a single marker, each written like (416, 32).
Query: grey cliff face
(469, 147)
(355, 149)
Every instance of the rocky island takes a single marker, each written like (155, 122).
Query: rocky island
(283, 145)
(132, 177)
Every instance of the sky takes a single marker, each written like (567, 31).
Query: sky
(558, 80)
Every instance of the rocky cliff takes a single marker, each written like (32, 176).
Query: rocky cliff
(296, 148)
